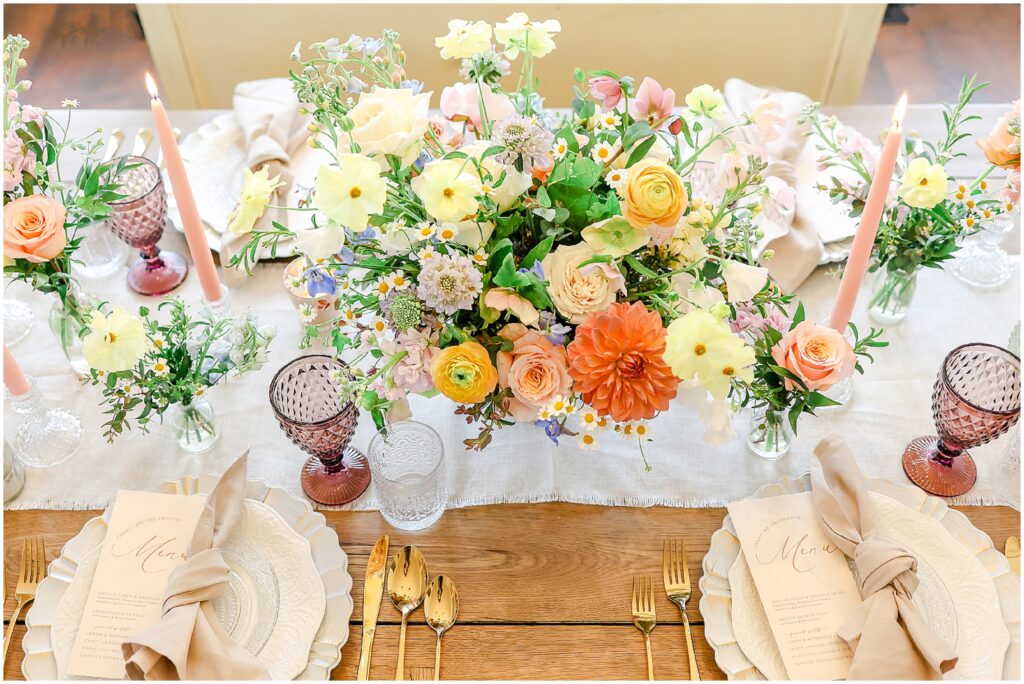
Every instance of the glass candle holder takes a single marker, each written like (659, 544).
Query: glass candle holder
(46, 436)
(14, 473)
(139, 220)
(409, 475)
(18, 319)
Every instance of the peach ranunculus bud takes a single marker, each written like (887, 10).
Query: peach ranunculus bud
(605, 89)
(536, 371)
(1002, 146)
(817, 354)
(652, 103)
(34, 228)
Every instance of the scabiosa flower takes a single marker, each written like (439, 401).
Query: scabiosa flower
(404, 310)
(489, 66)
(449, 283)
(526, 142)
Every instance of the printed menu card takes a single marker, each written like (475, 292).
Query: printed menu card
(805, 584)
(147, 537)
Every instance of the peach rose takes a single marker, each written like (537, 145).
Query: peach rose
(535, 370)
(1002, 146)
(816, 354)
(34, 228)
(654, 194)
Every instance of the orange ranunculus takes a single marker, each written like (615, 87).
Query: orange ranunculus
(1002, 146)
(654, 195)
(817, 354)
(616, 362)
(535, 370)
(464, 373)
(34, 228)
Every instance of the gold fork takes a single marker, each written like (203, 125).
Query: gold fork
(677, 586)
(422, 674)
(33, 569)
(644, 615)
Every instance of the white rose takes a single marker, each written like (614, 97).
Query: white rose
(515, 184)
(389, 121)
(577, 293)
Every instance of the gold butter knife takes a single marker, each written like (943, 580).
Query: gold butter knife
(373, 591)
(1012, 550)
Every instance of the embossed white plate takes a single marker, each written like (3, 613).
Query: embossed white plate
(286, 555)
(967, 592)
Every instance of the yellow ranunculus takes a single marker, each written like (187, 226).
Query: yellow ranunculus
(256, 193)
(464, 39)
(701, 345)
(115, 342)
(449, 189)
(464, 373)
(654, 195)
(923, 184)
(706, 100)
(351, 193)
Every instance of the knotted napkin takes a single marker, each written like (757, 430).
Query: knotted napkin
(189, 642)
(889, 638)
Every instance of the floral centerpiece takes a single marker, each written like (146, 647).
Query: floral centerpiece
(44, 212)
(146, 366)
(928, 212)
(553, 269)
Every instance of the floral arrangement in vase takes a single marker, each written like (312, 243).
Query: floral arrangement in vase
(44, 212)
(147, 366)
(573, 271)
(929, 212)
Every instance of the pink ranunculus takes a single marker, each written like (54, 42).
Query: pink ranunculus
(34, 228)
(461, 102)
(536, 371)
(1002, 146)
(769, 120)
(607, 90)
(652, 103)
(817, 354)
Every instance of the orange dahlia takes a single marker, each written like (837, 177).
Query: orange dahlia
(616, 363)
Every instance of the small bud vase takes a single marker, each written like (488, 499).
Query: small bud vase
(68, 320)
(770, 436)
(195, 425)
(891, 296)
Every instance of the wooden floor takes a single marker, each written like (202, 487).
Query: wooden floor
(544, 588)
(96, 53)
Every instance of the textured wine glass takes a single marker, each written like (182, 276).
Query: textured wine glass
(409, 474)
(976, 399)
(305, 396)
(139, 220)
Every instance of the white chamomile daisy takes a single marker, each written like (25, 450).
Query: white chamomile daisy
(160, 367)
(616, 178)
(588, 419)
(349, 316)
(603, 151)
(158, 341)
(428, 252)
(479, 257)
(626, 429)
(557, 406)
(398, 280)
(446, 233)
(561, 149)
(425, 230)
(378, 324)
(641, 430)
(307, 313)
(602, 422)
(609, 120)
(570, 409)
(126, 388)
(544, 414)
(588, 441)
(382, 286)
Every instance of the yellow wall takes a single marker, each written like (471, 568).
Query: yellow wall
(201, 51)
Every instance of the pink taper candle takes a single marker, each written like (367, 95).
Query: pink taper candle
(193, 225)
(14, 379)
(860, 253)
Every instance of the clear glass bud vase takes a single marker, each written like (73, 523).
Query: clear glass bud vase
(770, 436)
(195, 425)
(67, 322)
(891, 295)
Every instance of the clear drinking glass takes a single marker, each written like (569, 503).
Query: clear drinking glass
(409, 475)
(14, 473)
(100, 252)
(18, 319)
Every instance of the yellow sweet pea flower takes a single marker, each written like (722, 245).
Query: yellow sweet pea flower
(706, 100)
(517, 33)
(464, 39)
(115, 342)
(257, 190)
(700, 345)
(923, 184)
(351, 192)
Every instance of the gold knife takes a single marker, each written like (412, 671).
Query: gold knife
(373, 591)
(1012, 550)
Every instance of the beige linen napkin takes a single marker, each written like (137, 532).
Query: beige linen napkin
(889, 638)
(189, 642)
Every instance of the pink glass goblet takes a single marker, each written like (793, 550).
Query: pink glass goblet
(305, 396)
(976, 399)
(139, 220)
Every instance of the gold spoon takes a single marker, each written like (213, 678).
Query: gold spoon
(407, 584)
(441, 607)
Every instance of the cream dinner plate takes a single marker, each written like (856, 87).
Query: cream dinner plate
(289, 600)
(967, 593)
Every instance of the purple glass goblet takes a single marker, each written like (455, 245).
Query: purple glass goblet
(305, 396)
(976, 399)
(139, 220)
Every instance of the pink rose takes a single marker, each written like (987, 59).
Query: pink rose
(652, 103)
(768, 120)
(1002, 146)
(535, 370)
(816, 354)
(34, 228)
(607, 90)
(461, 102)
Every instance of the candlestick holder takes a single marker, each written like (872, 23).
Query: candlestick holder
(842, 391)
(222, 308)
(139, 220)
(46, 436)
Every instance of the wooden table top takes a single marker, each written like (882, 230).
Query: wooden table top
(544, 588)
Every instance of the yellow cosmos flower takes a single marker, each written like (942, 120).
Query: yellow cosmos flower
(923, 184)
(351, 193)
(464, 373)
(701, 345)
(449, 189)
(257, 190)
(654, 194)
(115, 342)
(464, 39)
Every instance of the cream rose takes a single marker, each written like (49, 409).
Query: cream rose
(389, 121)
(816, 354)
(536, 371)
(576, 292)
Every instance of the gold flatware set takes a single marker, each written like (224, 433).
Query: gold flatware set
(1012, 551)
(408, 587)
(31, 573)
(676, 577)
